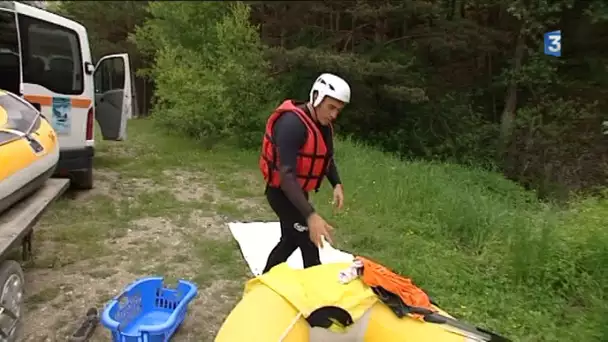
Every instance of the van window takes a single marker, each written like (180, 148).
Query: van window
(110, 75)
(51, 56)
(9, 53)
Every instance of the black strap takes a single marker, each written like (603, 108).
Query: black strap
(326, 316)
(397, 305)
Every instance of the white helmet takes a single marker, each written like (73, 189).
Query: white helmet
(332, 86)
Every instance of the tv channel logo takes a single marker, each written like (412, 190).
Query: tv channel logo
(553, 43)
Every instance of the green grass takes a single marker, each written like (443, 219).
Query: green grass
(484, 248)
(481, 246)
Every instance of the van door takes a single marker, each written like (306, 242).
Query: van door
(10, 65)
(113, 95)
(53, 78)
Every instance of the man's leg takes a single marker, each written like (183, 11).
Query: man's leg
(287, 215)
(294, 233)
(283, 249)
(310, 252)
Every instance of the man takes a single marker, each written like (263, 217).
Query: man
(297, 153)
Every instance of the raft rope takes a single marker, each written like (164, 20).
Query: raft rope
(13, 131)
(290, 326)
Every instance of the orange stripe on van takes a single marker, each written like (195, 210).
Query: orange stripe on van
(81, 103)
(46, 100)
(43, 100)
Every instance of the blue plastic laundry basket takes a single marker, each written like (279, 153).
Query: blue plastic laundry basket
(146, 311)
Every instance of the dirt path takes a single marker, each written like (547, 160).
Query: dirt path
(139, 221)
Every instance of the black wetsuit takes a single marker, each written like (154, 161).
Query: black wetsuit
(290, 202)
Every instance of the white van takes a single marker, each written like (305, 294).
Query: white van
(46, 59)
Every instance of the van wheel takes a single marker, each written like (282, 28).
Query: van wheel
(83, 180)
(11, 298)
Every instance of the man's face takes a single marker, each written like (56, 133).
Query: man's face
(328, 110)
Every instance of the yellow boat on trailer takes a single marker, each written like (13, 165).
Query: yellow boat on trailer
(29, 149)
(279, 307)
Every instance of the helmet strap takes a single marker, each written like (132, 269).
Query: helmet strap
(312, 110)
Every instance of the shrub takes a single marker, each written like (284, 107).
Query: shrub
(209, 70)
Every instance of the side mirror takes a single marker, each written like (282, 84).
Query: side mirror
(89, 68)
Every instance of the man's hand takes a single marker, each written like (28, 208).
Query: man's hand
(317, 227)
(338, 196)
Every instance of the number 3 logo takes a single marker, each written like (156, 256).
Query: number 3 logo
(555, 44)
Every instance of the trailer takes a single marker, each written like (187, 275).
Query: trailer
(17, 229)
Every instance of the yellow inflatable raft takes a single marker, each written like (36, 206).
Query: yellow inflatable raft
(29, 149)
(275, 307)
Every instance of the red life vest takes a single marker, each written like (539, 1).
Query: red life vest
(312, 160)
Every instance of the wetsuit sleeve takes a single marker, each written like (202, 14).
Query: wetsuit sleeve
(332, 174)
(290, 135)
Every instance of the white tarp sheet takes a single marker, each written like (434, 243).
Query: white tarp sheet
(257, 239)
